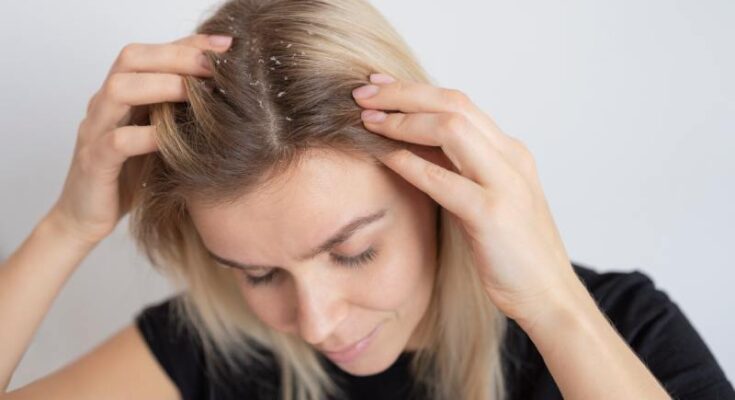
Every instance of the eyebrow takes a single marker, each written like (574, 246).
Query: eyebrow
(342, 235)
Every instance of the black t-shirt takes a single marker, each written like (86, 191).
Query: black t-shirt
(653, 326)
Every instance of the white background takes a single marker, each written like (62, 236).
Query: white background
(628, 107)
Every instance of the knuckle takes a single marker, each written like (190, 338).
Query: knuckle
(519, 144)
(484, 206)
(436, 172)
(85, 160)
(127, 54)
(83, 129)
(518, 192)
(398, 86)
(85, 132)
(118, 140)
(179, 52)
(400, 158)
(397, 122)
(83, 125)
(113, 87)
(91, 102)
(456, 99)
(454, 123)
(524, 155)
(496, 205)
(178, 86)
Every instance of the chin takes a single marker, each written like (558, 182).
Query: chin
(373, 361)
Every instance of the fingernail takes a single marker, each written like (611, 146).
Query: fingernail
(381, 78)
(220, 40)
(205, 62)
(366, 91)
(374, 116)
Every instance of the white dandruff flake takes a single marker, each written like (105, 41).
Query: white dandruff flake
(222, 91)
(285, 78)
(288, 119)
(260, 102)
(289, 45)
(281, 94)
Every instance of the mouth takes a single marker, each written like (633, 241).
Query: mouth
(353, 351)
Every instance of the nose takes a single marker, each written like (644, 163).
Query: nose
(320, 310)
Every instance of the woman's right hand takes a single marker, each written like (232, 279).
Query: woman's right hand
(88, 207)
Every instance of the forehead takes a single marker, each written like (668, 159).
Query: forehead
(297, 209)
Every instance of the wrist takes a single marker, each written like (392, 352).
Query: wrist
(585, 354)
(54, 225)
(570, 308)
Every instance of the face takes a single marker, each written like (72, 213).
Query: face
(374, 280)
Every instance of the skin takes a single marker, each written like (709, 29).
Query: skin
(490, 185)
(327, 304)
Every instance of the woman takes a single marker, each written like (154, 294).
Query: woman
(326, 249)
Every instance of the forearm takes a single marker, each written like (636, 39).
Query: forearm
(30, 280)
(585, 354)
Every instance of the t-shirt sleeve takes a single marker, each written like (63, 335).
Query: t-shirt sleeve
(659, 332)
(173, 346)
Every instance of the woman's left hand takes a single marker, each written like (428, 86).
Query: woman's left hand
(486, 179)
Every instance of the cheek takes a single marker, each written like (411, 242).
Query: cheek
(399, 277)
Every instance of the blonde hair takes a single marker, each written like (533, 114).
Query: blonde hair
(284, 87)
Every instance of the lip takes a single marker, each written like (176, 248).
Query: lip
(354, 350)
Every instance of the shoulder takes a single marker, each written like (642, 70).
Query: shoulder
(654, 327)
(174, 344)
(178, 348)
(658, 331)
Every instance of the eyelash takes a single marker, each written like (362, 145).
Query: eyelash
(349, 262)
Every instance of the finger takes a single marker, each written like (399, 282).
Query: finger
(189, 49)
(412, 97)
(470, 151)
(124, 90)
(119, 144)
(169, 58)
(459, 195)
(201, 41)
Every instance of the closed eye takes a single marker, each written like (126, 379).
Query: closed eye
(364, 257)
(350, 262)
